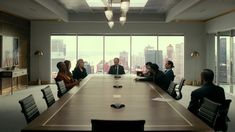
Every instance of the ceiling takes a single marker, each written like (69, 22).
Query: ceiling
(154, 10)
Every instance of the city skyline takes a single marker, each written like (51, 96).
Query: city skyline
(93, 57)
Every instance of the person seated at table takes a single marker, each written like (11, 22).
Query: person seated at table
(158, 77)
(79, 71)
(208, 89)
(68, 81)
(68, 66)
(116, 69)
(147, 72)
(169, 72)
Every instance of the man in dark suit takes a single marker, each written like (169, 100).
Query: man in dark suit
(169, 72)
(208, 90)
(158, 77)
(116, 69)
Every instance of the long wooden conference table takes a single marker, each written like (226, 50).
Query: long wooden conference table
(92, 100)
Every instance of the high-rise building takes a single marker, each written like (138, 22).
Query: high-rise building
(169, 52)
(223, 61)
(179, 62)
(138, 63)
(123, 59)
(88, 68)
(58, 53)
(154, 56)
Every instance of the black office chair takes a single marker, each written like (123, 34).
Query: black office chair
(48, 96)
(171, 89)
(29, 108)
(222, 120)
(178, 89)
(117, 125)
(61, 88)
(208, 112)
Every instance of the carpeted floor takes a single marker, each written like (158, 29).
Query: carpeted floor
(12, 120)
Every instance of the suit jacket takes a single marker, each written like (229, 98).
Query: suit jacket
(78, 74)
(113, 70)
(208, 90)
(161, 80)
(170, 74)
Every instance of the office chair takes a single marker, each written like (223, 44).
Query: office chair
(171, 89)
(208, 112)
(222, 120)
(48, 96)
(179, 88)
(61, 88)
(117, 125)
(29, 108)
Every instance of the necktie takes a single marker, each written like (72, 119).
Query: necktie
(117, 69)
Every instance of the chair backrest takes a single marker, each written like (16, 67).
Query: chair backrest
(208, 112)
(117, 125)
(221, 122)
(179, 88)
(61, 88)
(29, 108)
(171, 89)
(48, 96)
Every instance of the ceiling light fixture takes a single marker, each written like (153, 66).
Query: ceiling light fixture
(111, 24)
(122, 19)
(124, 6)
(108, 13)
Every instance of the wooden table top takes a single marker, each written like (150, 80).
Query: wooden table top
(92, 100)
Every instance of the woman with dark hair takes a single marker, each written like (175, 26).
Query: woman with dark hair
(79, 71)
(68, 81)
(169, 72)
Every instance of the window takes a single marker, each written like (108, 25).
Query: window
(117, 46)
(62, 48)
(133, 52)
(90, 49)
(144, 49)
(172, 48)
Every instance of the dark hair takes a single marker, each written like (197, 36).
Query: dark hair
(59, 65)
(154, 67)
(207, 75)
(148, 63)
(170, 63)
(67, 62)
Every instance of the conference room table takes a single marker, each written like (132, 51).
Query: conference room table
(92, 100)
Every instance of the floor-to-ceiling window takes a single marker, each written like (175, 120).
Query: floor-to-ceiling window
(225, 58)
(63, 47)
(143, 50)
(117, 46)
(233, 61)
(172, 48)
(133, 51)
(90, 49)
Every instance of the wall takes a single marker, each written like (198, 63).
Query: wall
(18, 27)
(41, 30)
